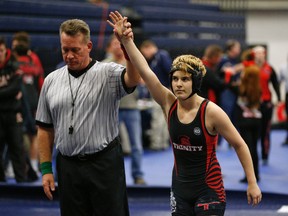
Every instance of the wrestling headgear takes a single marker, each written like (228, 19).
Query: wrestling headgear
(196, 75)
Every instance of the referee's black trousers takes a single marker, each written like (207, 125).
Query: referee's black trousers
(93, 186)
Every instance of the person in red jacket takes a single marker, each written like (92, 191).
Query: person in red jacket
(267, 76)
(24, 38)
(10, 115)
(212, 84)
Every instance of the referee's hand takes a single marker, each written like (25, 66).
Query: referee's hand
(48, 185)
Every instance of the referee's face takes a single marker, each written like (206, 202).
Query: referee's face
(75, 51)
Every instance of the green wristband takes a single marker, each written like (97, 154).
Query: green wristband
(46, 167)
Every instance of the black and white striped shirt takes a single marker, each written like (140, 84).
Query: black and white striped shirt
(96, 106)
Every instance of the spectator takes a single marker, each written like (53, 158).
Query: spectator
(267, 76)
(159, 61)
(212, 84)
(130, 116)
(231, 57)
(248, 115)
(24, 38)
(10, 114)
(33, 78)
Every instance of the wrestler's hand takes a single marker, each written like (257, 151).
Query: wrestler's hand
(121, 27)
(254, 194)
(48, 185)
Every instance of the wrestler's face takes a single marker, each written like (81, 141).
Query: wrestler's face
(182, 84)
(75, 51)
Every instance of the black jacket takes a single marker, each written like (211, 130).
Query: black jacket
(10, 85)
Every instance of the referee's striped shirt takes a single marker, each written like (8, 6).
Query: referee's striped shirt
(96, 106)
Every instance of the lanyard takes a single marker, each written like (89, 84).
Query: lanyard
(73, 99)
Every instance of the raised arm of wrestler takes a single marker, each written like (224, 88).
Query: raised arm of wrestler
(163, 96)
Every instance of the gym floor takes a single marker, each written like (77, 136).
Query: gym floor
(153, 198)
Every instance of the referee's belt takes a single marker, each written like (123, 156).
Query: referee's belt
(85, 157)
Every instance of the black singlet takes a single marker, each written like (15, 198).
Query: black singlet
(196, 169)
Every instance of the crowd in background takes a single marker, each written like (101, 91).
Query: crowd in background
(238, 81)
(21, 78)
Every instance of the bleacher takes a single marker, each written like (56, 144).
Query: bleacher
(177, 26)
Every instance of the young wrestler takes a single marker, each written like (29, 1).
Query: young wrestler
(194, 124)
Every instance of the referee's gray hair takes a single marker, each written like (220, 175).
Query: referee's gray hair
(72, 27)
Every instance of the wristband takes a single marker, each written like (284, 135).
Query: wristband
(125, 53)
(46, 167)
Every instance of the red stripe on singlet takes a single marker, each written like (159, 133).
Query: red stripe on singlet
(174, 105)
(213, 170)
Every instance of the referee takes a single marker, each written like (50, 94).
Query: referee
(78, 112)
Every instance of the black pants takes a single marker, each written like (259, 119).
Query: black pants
(266, 110)
(249, 129)
(12, 135)
(250, 134)
(93, 186)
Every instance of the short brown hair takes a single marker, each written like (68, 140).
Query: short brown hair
(73, 27)
(22, 37)
(212, 51)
